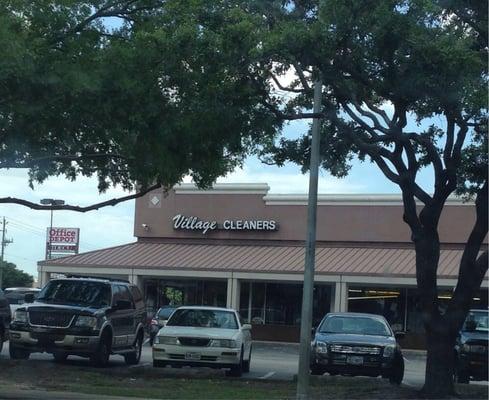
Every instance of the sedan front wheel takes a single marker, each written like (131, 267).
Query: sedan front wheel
(237, 370)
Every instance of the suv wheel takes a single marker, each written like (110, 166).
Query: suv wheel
(101, 357)
(133, 358)
(461, 376)
(17, 353)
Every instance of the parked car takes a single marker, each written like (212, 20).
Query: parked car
(4, 319)
(357, 344)
(16, 296)
(471, 348)
(204, 337)
(86, 317)
(159, 320)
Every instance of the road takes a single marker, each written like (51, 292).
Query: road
(269, 361)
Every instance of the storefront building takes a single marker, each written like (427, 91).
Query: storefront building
(238, 246)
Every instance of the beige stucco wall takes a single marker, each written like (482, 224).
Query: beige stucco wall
(375, 222)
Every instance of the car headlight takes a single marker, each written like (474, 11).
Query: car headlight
(20, 316)
(85, 321)
(224, 343)
(166, 340)
(321, 347)
(466, 348)
(477, 349)
(389, 351)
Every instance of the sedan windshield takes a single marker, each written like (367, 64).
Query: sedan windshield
(203, 319)
(84, 293)
(355, 325)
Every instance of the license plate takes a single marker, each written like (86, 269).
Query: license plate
(192, 356)
(354, 360)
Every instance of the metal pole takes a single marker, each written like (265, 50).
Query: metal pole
(1, 252)
(49, 236)
(308, 288)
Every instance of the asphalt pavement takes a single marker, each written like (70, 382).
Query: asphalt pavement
(270, 360)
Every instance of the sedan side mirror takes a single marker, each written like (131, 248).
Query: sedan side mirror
(313, 331)
(399, 335)
(246, 327)
(29, 298)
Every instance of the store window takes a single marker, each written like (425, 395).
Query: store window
(389, 302)
(270, 303)
(163, 292)
(402, 307)
(414, 318)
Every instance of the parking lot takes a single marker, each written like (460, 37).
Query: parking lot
(274, 361)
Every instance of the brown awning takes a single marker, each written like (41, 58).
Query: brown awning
(259, 258)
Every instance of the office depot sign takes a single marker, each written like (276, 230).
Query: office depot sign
(62, 240)
(63, 235)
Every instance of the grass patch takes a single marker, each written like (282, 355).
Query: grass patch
(148, 382)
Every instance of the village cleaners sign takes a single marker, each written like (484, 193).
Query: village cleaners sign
(183, 222)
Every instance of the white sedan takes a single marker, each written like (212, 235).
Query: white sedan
(204, 337)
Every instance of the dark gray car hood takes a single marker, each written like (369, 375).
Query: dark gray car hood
(355, 339)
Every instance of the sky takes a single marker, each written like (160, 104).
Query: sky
(112, 226)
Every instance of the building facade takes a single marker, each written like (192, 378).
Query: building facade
(238, 246)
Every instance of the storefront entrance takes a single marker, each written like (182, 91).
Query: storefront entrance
(274, 309)
(164, 292)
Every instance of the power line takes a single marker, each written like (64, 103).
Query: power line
(23, 258)
(41, 232)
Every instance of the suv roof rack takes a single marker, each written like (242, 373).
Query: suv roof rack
(100, 278)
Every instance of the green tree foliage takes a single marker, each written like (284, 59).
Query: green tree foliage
(193, 86)
(13, 277)
(147, 100)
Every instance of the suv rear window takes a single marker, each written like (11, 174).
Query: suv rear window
(84, 293)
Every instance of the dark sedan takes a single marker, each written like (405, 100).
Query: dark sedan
(357, 344)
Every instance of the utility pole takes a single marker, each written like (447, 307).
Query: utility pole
(2, 248)
(308, 287)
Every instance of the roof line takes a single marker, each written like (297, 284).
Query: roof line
(49, 262)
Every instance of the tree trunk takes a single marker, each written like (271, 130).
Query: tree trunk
(440, 362)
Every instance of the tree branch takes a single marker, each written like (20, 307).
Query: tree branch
(112, 202)
(301, 76)
(281, 87)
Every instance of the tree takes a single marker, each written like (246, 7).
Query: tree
(13, 277)
(194, 85)
(132, 104)
(425, 60)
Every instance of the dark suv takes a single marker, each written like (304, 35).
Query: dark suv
(471, 348)
(4, 319)
(88, 317)
(357, 344)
